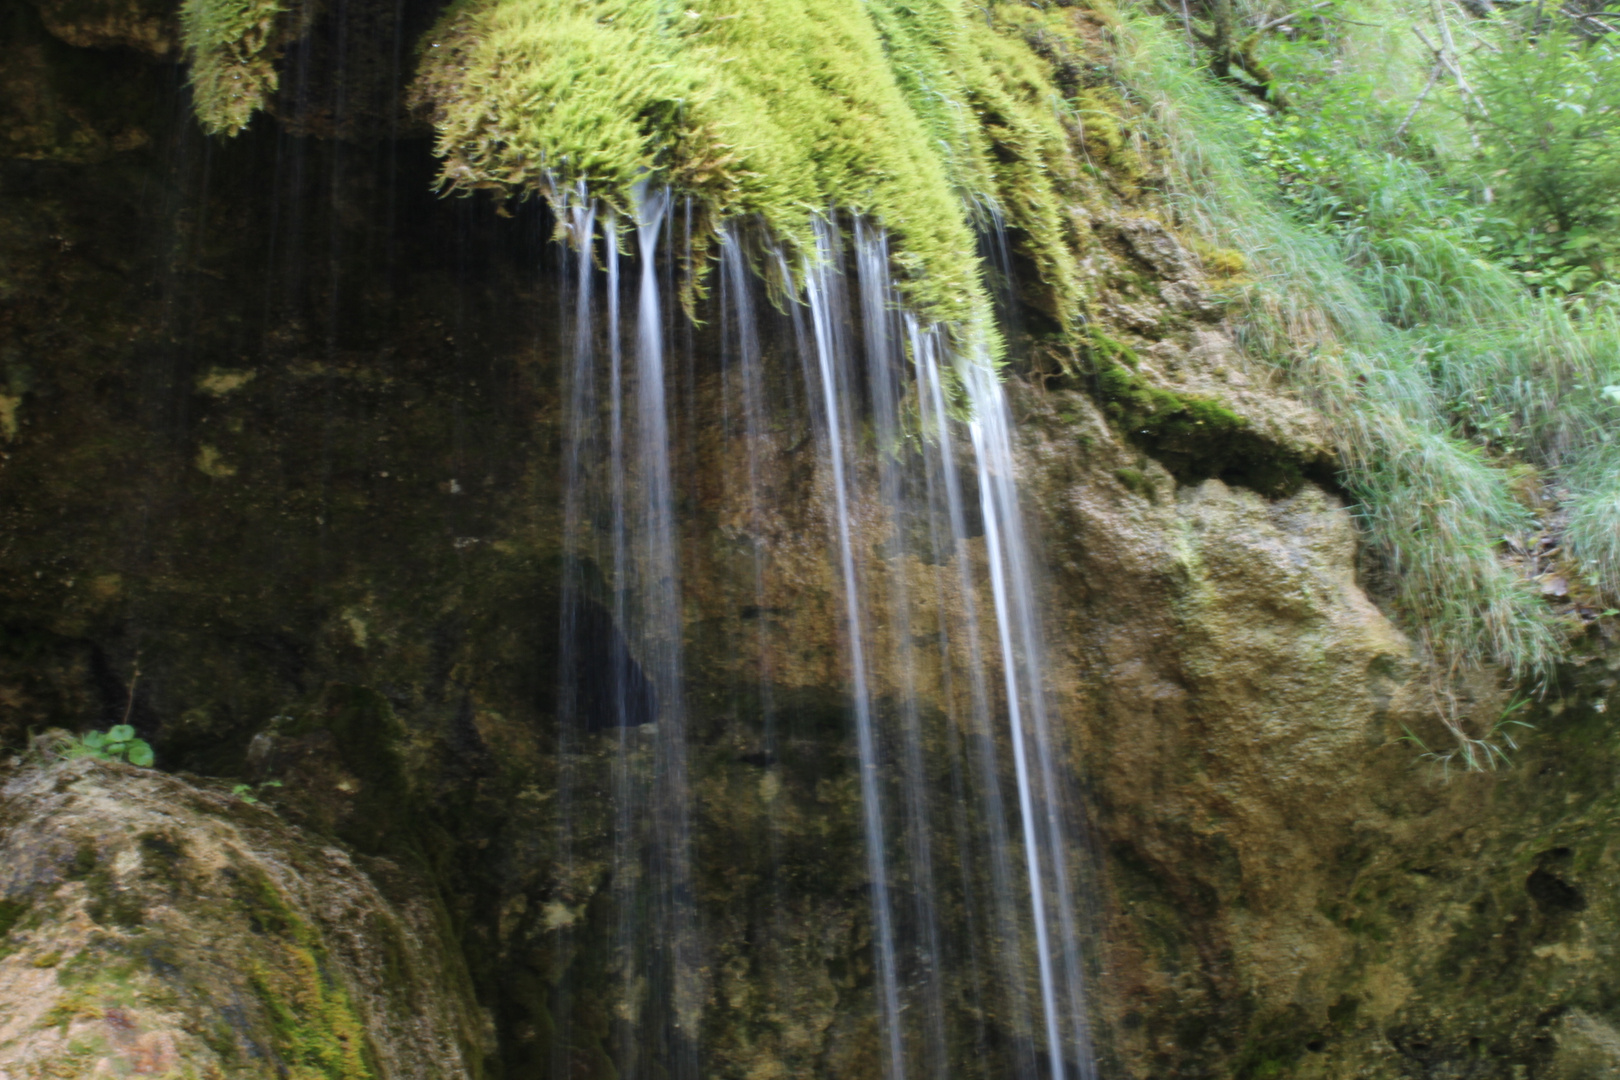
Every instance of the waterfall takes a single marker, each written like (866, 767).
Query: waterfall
(661, 642)
(1039, 801)
(880, 319)
(824, 293)
(621, 642)
(944, 485)
(965, 837)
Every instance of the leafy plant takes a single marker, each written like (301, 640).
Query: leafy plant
(249, 793)
(1442, 290)
(117, 743)
(1352, 275)
(1550, 145)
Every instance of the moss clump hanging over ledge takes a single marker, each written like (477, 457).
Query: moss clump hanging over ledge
(1195, 437)
(918, 115)
(766, 107)
(232, 46)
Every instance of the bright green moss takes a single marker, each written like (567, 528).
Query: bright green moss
(772, 108)
(1106, 349)
(1143, 408)
(231, 46)
(318, 1034)
(920, 115)
(1137, 483)
(993, 110)
(927, 116)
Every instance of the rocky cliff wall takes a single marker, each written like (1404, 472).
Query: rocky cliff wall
(281, 456)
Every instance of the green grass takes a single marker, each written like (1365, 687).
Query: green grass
(1346, 317)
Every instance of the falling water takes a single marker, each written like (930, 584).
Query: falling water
(741, 356)
(942, 478)
(1039, 800)
(880, 319)
(823, 290)
(969, 852)
(661, 652)
(571, 690)
(993, 446)
(621, 652)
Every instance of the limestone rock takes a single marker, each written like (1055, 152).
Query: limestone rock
(1291, 889)
(154, 926)
(51, 111)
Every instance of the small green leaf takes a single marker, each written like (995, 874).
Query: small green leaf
(140, 753)
(120, 733)
(94, 739)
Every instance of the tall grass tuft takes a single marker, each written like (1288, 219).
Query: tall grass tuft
(1378, 325)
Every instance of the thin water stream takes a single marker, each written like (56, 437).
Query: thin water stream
(963, 818)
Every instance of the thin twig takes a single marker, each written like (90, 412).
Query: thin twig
(1449, 55)
(1279, 20)
(1581, 16)
(1186, 21)
(1434, 75)
(1462, 82)
(135, 677)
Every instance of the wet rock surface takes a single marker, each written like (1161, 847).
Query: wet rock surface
(63, 104)
(151, 27)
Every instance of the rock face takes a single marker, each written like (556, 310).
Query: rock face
(279, 440)
(159, 928)
(1290, 889)
(63, 104)
(146, 26)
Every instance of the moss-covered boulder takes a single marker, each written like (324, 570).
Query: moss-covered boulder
(156, 926)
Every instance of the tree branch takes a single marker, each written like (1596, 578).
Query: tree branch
(1434, 75)
(1279, 20)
